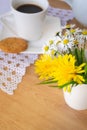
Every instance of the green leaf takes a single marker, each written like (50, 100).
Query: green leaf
(48, 82)
(68, 83)
(85, 68)
(79, 54)
(83, 58)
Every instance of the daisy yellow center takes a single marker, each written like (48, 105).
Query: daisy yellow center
(84, 32)
(53, 52)
(65, 41)
(46, 48)
(68, 26)
(72, 30)
(51, 42)
(65, 34)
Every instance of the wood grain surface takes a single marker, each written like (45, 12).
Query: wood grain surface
(39, 107)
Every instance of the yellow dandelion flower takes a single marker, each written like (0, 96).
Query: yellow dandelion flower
(66, 70)
(78, 78)
(67, 88)
(46, 48)
(76, 75)
(43, 67)
(65, 41)
(79, 68)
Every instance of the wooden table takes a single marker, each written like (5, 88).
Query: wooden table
(39, 107)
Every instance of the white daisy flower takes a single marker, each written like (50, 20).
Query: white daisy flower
(68, 38)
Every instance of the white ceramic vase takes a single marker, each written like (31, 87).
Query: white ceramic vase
(77, 98)
(79, 8)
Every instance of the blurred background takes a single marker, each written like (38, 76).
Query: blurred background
(4, 6)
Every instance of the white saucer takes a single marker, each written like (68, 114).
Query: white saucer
(53, 25)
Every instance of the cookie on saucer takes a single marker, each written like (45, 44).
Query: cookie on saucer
(13, 45)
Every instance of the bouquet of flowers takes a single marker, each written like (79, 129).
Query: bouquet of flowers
(64, 62)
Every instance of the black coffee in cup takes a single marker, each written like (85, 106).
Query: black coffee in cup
(29, 8)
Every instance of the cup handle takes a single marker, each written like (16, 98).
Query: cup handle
(4, 20)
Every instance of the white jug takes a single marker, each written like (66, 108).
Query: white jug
(79, 8)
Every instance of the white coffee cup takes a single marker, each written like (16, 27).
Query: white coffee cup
(29, 25)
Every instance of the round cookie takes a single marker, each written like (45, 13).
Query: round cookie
(13, 45)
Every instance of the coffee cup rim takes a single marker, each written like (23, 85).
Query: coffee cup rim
(44, 10)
